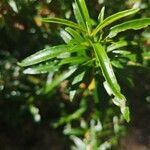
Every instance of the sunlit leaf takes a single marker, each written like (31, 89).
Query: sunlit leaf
(85, 13)
(133, 24)
(65, 36)
(117, 45)
(78, 78)
(78, 14)
(79, 144)
(113, 18)
(48, 53)
(121, 52)
(72, 60)
(117, 64)
(63, 22)
(42, 68)
(109, 75)
(75, 35)
(72, 94)
(101, 15)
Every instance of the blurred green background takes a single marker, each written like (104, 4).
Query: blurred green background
(30, 119)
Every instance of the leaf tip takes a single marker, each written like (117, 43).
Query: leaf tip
(19, 64)
(126, 113)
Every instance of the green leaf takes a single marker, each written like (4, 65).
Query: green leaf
(101, 15)
(112, 19)
(117, 45)
(85, 13)
(73, 131)
(78, 14)
(58, 79)
(105, 65)
(42, 68)
(78, 78)
(76, 115)
(122, 52)
(82, 14)
(117, 64)
(65, 36)
(49, 53)
(75, 35)
(64, 22)
(109, 76)
(126, 113)
(72, 94)
(133, 24)
(73, 60)
(75, 83)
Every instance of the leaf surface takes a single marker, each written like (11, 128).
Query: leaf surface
(75, 34)
(42, 68)
(58, 79)
(117, 45)
(73, 60)
(49, 53)
(85, 13)
(112, 19)
(63, 22)
(101, 15)
(133, 24)
(110, 78)
(75, 115)
(65, 36)
(78, 14)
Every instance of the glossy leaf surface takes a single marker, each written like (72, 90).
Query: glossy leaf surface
(85, 13)
(101, 15)
(48, 53)
(72, 60)
(63, 22)
(110, 78)
(117, 45)
(42, 68)
(78, 14)
(113, 18)
(77, 37)
(133, 24)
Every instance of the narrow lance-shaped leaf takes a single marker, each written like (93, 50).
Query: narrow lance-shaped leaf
(48, 53)
(110, 78)
(122, 52)
(77, 37)
(70, 117)
(73, 60)
(57, 80)
(101, 15)
(64, 22)
(133, 24)
(85, 13)
(105, 65)
(42, 68)
(65, 36)
(113, 18)
(78, 14)
(77, 79)
(117, 45)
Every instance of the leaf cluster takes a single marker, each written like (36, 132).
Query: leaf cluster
(86, 52)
